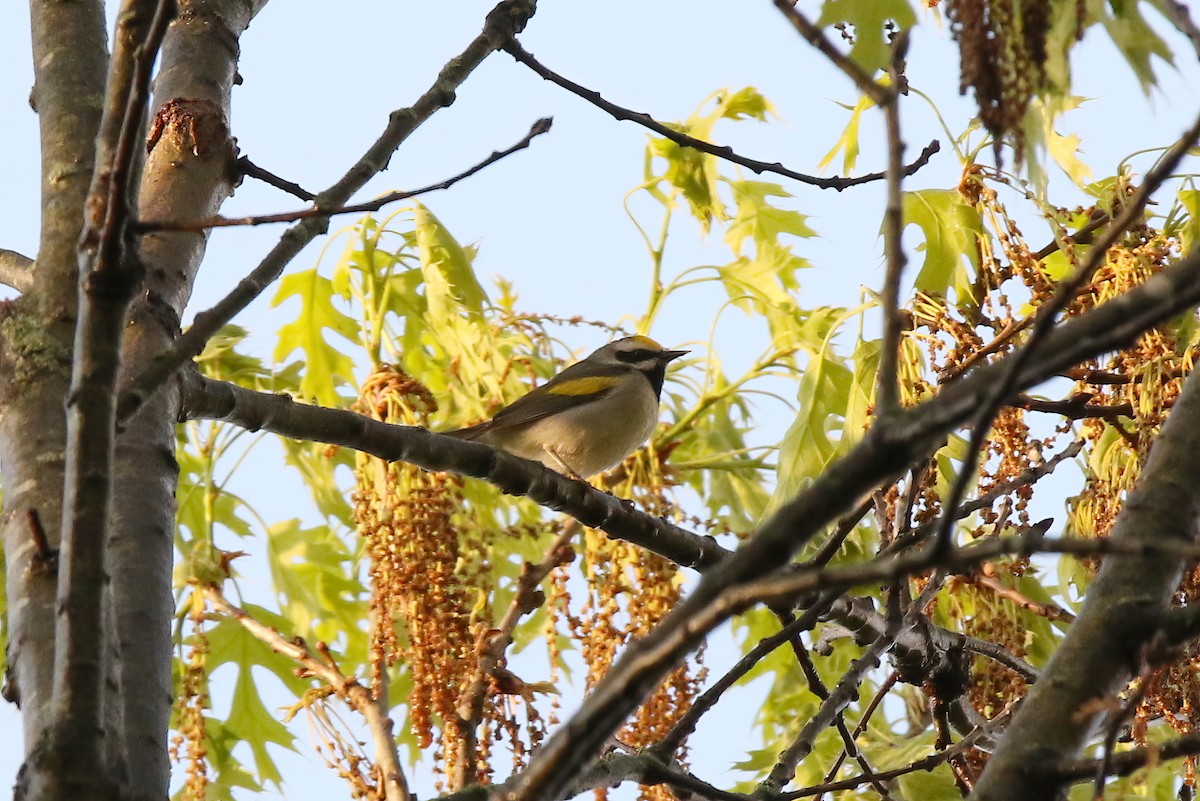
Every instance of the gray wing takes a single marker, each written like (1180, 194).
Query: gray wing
(541, 402)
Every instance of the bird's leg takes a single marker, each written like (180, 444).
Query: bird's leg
(563, 467)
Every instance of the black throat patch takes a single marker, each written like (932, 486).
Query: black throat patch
(656, 375)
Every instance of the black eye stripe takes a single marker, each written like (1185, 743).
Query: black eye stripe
(632, 356)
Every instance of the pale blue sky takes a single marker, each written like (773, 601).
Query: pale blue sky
(318, 85)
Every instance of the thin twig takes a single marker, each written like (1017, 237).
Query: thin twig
(348, 688)
(829, 548)
(887, 392)
(503, 22)
(1048, 611)
(537, 129)
(886, 687)
(926, 763)
(1178, 14)
(1075, 407)
(1128, 762)
(813, 35)
(1001, 655)
(522, 55)
(46, 559)
(845, 692)
(686, 725)
(16, 270)
(1027, 477)
(251, 170)
(784, 588)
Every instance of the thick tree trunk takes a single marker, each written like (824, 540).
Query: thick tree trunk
(188, 173)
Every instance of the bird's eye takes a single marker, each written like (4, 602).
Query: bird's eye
(635, 356)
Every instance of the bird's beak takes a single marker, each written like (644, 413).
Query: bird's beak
(672, 355)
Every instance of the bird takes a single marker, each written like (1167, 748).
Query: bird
(589, 417)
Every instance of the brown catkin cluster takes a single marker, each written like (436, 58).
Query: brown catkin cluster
(190, 742)
(426, 579)
(1002, 48)
(629, 591)
(1139, 385)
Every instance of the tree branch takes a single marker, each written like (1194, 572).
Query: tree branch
(16, 270)
(503, 22)
(537, 129)
(249, 169)
(813, 35)
(206, 398)
(1128, 762)
(887, 391)
(927, 763)
(522, 55)
(831, 708)
(109, 275)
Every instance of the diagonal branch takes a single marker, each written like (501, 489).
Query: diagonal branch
(522, 55)
(16, 270)
(813, 35)
(503, 22)
(537, 129)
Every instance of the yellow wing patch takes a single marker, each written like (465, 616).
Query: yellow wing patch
(646, 342)
(579, 387)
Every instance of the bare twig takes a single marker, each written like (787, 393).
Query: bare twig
(503, 22)
(813, 35)
(1001, 655)
(886, 687)
(348, 689)
(1046, 316)
(1179, 16)
(1128, 762)
(887, 392)
(1048, 611)
(537, 129)
(16, 270)
(1076, 407)
(522, 55)
(1027, 477)
(831, 708)
(829, 548)
(927, 763)
(686, 724)
(47, 555)
(251, 170)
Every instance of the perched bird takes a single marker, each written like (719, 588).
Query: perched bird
(590, 416)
